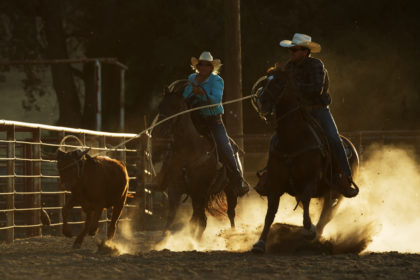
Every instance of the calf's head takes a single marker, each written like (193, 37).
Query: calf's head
(69, 165)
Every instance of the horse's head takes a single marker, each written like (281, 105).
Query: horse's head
(69, 167)
(172, 103)
(268, 91)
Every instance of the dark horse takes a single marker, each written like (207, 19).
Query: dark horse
(96, 183)
(300, 162)
(193, 166)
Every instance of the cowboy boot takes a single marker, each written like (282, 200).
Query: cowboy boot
(344, 186)
(240, 188)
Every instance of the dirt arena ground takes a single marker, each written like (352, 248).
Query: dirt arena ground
(53, 258)
(380, 227)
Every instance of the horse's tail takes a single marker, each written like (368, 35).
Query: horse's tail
(217, 204)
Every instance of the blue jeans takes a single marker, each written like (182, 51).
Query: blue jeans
(325, 119)
(224, 148)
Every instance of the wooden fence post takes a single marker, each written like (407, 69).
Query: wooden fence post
(104, 215)
(141, 181)
(10, 203)
(62, 196)
(36, 214)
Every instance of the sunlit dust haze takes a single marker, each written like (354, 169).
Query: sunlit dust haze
(385, 211)
(389, 183)
(124, 242)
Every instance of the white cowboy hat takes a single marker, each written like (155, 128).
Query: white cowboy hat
(206, 56)
(303, 41)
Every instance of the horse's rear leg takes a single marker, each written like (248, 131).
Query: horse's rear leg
(273, 205)
(232, 200)
(329, 208)
(116, 213)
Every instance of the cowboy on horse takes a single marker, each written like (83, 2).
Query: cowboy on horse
(205, 87)
(309, 77)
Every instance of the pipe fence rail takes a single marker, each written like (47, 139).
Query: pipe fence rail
(29, 181)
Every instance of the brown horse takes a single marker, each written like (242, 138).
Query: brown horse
(96, 183)
(300, 162)
(193, 166)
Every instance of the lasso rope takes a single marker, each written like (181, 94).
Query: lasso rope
(156, 123)
(63, 141)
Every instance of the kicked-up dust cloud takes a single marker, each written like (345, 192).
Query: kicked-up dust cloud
(385, 215)
(388, 205)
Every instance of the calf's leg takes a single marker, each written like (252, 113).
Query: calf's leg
(78, 242)
(65, 213)
(116, 213)
(93, 227)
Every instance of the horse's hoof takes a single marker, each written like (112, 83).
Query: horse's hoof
(309, 234)
(259, 247)
(77, 245)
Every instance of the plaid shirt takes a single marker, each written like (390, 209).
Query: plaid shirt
(311, 80)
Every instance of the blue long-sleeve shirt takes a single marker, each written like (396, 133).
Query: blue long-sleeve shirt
(213, 86)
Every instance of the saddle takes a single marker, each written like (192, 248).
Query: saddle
(332, 166)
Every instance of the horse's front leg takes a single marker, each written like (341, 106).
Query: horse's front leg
(309, 229)
(198, 220)
(273, 205)
(174, 198)
(65, 213)
(232, 200)
(331, 202)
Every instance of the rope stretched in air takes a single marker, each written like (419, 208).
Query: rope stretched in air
(154, 124)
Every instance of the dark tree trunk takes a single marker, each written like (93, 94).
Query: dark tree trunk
(63, 82)
(233, 70)
(89, 109)
(111, 90)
